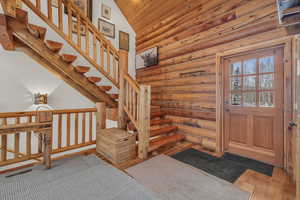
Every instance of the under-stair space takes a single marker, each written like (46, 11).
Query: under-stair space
(109, 83)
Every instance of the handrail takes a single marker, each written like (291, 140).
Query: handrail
(78, 122)
(91, 44)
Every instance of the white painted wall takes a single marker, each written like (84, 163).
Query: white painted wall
(121, 24)
(21, 77)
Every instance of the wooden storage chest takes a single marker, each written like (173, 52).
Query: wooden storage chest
(116, 145)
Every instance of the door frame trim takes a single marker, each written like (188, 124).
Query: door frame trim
(286, 43)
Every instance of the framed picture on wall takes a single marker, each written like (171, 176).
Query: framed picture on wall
(123, 41)
(82, 28)
(106, 28)
(86, 7)
(106, 11)
(147, 58)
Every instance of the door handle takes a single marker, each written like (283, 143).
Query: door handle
(292, 124)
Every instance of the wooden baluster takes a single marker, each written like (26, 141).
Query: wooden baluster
(59, 131)
(83, 127)
(60, 15)
(102, 54)
(50, 16)
(123, 71)
(76, 128)
(127, 95)
(28, 138)
(108, 59)
(134, 105)
(130, 98)
(68, 129)
(91, 127)
(78, 31)
(87, 40)
(4, 143)
(38, 4)
(70, 22)
(100, 116)
(114, 69)
(95, 46)
(144, 122)
(17, 140)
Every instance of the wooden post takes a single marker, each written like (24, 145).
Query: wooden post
(123, 67)
(101, 116)
(9, 7)
(144, 121)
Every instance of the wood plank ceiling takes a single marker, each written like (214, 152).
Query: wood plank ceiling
(141, 13)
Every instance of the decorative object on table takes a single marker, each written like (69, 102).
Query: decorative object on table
(123, 41)
(106, 28)
(82, 28)
(86, 7)
(40, 99)
(106, 12)
(147, 58)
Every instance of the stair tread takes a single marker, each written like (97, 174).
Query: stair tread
(37, 31)
(157, 114)
(162, 141)
(153, 122)
(82, 69)
(53, 45)
(114, 96)
(162, 131)
(94, 79)
(105, 88)
(69, 58)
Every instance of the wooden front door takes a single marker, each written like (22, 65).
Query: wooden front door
(253, 107)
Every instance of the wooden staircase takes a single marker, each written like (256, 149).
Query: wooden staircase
(162, 132)
(133, 100)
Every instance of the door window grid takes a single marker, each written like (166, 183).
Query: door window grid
(252, 82)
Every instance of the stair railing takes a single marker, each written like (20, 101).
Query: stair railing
(75, 28)
(134, 99)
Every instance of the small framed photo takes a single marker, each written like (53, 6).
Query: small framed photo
(86, 6)
(82, 28)
(123, 41)
(106, 28)
(55, 3)
(106, 11)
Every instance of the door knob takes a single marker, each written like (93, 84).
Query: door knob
(292, 124)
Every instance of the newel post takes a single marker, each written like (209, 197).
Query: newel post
(123, 68)
(100, 116)
(9, 7)
(144, 121)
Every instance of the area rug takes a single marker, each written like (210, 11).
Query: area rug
(174, 180)
(76, 178)
(228, 167)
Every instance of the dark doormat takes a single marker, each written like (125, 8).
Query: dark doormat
(228, 167)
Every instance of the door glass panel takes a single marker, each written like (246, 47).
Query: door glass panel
(249, 66)
(266, 64)
(249, 83)
(266, 99)
(266, 81)
(236, 68)
(236, 99)
(236, 83)
(249, 99)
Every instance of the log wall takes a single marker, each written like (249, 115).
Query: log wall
(188, 37)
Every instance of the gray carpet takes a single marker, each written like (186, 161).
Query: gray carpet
(76, 178)
(174, 180)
